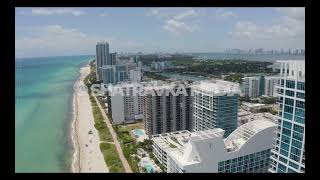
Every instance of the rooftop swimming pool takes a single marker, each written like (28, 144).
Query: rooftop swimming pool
(148, 165)
(139, 132)
(149, 168)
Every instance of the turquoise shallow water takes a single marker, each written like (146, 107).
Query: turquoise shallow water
(43, 110)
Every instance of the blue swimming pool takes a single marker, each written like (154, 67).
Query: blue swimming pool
(139, 132)
(149, 168)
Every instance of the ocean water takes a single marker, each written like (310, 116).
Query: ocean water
(43, 112)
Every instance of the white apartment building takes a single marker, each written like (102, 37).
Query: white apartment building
(270, 83)
(126, 107)
(215, 105)
(135, 75)
(245, 150)
(252, 87)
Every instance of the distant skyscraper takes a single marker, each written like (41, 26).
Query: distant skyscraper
(215, 105)
(113, 58)
(102, 57)
(112, 74)
(289, 154)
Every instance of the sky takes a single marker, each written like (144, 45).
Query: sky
(75, 31)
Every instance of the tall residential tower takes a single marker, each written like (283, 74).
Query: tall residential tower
(164, 112)
(288, 154)
(102, 57)
(215, 105)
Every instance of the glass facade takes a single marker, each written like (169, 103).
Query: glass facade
(215, 112)
(251, 163)
(288, 156)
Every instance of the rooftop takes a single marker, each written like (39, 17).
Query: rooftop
(243, 133)
(253, 104)
(217, 87)
(171, 140)
(189, 153)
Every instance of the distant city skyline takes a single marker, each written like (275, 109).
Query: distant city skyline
(75, 31)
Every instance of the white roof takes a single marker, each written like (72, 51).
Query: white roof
(217, 87)
(243, 133)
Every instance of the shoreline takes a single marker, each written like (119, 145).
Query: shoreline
(85, 146)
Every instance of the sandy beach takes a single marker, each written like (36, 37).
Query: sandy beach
(87, 156)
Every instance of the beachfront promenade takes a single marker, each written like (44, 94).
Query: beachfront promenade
(115, 139)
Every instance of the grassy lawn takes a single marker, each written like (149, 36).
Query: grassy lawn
(127, 143)
(99, 123)
(111, 158)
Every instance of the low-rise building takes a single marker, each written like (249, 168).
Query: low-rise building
(255, 107)
(247, 149)
(163, 143)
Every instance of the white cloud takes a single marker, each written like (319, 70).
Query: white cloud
(176, 21)
(104, 14)
(286, 31)
(224, 14)
(289, 26)
(55, 40)
(246, 30)
(56, 11)
(293, 13)
(189, 13)
(161, 13)
(178, 27)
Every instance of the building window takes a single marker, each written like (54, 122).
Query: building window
(288, 109)
(290, 84)
(285, 139)
(300, 95)
(299, 119)
(286, 132)
(294, 165)
(285, 146)
(300, 86)
(300, 104)
(290, 93)
(289, 101)
(296, 143)
(283, 152)
(282, 167)
(287, 116)
(283, 160)
(298, 128)
(299, 112)
(287, 125)
(294, 157)
(295, 151)
(297, 136)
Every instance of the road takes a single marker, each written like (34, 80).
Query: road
(115, 139)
